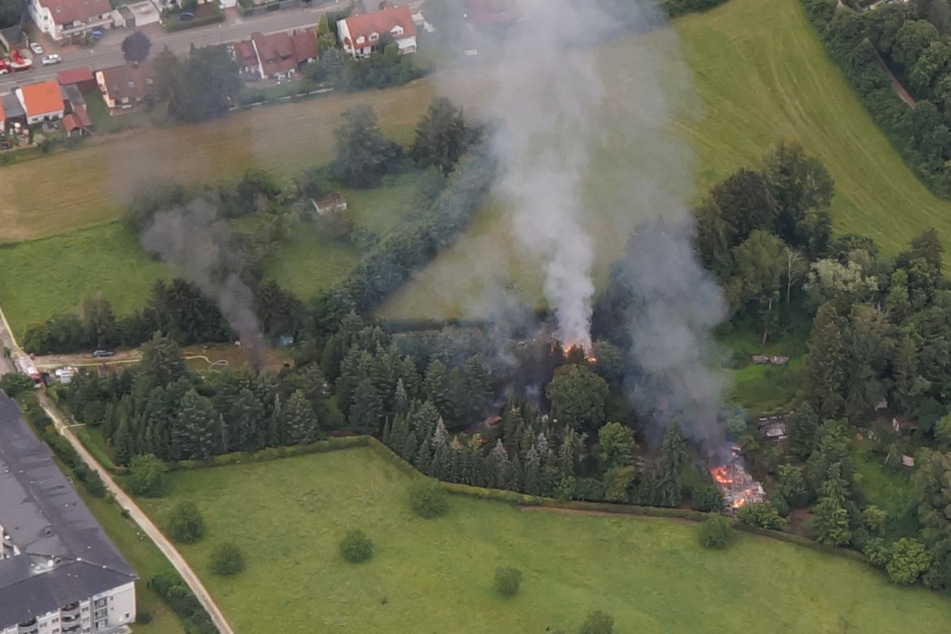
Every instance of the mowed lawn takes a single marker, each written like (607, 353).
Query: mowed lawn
(759, 75)
(71, 190)
(436, 576)
(52, 275)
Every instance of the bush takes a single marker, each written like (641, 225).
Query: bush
(147, 476)
(186, 524)
(227, 559)
(716, 532)
(15, 384)
(598, 623)
(428, 500)
(707, 498)
(508, 581)
(356, 547)
(143, 617)
(763, 515)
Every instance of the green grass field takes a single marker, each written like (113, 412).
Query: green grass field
(43, 277)
(435, 576)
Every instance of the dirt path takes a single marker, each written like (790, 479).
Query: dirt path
(125, 502)
(561, 511)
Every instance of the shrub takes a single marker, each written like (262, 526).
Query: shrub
(143, 617)
(356, 547)
(227, 559)
(15, 384)
(707, 498)
(186, 524)
(147, 476)
(508, 581)
(598, 623)
(762, 514)
(715, 532)
(428, 500)
(908, 560)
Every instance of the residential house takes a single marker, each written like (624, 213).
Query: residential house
(80, 77)
(126, 86)
(331, 203)
(64, 18)
(42, 102)
(277, 55)
(362, 33)
(59, 572)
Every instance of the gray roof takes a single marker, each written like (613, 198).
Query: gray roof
(66, 556)
(12, 106)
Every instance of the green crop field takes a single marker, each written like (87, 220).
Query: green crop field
(51, 275)
(436, 575)
(759, 75)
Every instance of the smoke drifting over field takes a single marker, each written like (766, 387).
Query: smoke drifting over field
(587, 156)
(193, 241)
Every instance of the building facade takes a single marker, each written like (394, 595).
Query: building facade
(64, 18)
(363, 33)
(59, 572)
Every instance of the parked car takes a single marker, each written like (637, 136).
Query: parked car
(5, 145)
(36, 48)
(103, 353)
(52, 58)
(96, 34)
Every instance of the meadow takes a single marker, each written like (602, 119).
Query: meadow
(436, 575)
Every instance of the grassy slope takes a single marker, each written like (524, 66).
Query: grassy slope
(762, 76)
(289, 515)
(42, 277)
(75, 189)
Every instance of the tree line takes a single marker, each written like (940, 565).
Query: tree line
(911, 39)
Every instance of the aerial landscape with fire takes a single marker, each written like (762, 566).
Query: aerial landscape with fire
(476, 316)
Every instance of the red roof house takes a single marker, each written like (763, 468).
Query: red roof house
(278, 55)
(125, 86)
(42, 102)
(361, 34)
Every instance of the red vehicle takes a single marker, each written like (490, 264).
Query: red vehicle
(18, 63)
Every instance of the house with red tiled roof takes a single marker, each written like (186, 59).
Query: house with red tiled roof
(125, 86)
(64, 18)
(277, 55)
(42, 102)
(363, 33)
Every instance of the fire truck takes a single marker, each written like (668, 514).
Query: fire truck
(15, 63)
(25, 366)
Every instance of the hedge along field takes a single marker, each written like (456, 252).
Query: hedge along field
(759, 75)
(289, 515)
(75, 189)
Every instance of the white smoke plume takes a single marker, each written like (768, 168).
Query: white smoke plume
(544, 96)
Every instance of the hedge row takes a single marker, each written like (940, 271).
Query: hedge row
(176, 593)
(800, 541)
(171, 27)
(271, 453)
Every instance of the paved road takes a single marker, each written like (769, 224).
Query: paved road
(124, 501)
(235, 28)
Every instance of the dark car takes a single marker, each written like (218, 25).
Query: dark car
(5, 145)
(103, 353)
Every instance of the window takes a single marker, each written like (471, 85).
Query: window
(397, 30)
(374, 37)
(361, 40)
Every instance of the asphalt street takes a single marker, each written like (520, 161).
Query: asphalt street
(235, 28)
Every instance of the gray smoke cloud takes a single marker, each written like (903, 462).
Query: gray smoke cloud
(195, 243)
(675, 306)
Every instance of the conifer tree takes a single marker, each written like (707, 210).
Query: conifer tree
(366, 408)
(803, 425)
(410, 445)
(196, 427)
(670, 466)
(247, 423)
(123, 441)
(423, 459)
(300, 421)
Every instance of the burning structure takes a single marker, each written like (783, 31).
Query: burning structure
(737, 485)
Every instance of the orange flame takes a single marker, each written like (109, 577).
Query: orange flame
(721, 475)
